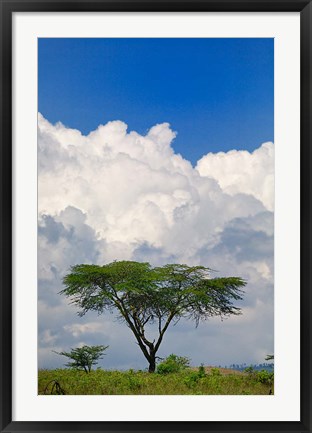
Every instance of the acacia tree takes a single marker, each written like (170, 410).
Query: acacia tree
(83, 358)
(142, 295)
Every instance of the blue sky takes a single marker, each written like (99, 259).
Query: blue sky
(218, 94)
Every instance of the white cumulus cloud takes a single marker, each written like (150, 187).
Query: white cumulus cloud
(242, 171)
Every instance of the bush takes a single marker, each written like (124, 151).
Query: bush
(201, 371)
(173, 364)
(265, 377)
(134, 382)
(249, 370)
(193, 377)
(215, 372)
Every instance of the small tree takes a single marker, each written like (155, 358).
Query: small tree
(173, 364)
(83, 358)
(143, 295)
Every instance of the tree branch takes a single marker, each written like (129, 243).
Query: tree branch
(170, 317)
(120, 306)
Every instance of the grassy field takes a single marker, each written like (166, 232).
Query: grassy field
(192, 381)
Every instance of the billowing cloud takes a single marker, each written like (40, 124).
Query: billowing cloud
(241, 171)
(115, 195)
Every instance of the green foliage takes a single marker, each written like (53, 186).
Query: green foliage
(269, 357)
(83, 358)
(186, 382)
(201, 371)
(173, 364)
(262, 376)
(191, 380)
(142, 295)
(249, 370)
(265, 376)
(135, 382)
(193, 377)
(215, 372)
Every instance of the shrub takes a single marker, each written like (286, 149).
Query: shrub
(265, 377)
(173, 364)
(249, 370)
(215, 372)
(134, 382)
(201, 371)
(193, 377)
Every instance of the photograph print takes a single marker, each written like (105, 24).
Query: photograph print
(156, 216)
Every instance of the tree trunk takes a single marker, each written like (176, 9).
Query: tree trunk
(152, 359)
(152, 365)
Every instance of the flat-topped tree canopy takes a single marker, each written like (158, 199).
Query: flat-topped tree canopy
(143, 295)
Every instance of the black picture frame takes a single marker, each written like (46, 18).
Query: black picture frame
(8, 7)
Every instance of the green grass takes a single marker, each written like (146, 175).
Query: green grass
(188, 382)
